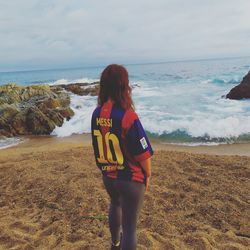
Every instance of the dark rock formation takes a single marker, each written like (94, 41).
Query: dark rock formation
(81, 88)
(242, 90)
(35, 109)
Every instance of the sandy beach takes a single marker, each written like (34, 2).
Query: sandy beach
(52, 197)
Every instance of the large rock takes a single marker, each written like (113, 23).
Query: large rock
(81, 88)
(11, 93)
(38, 122)
(38, 109)
(35, 109)
(242, 90)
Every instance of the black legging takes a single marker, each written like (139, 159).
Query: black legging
(126, 201)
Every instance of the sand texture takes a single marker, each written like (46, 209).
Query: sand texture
(52, 197)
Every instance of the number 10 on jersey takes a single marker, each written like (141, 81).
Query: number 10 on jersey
(108, 138)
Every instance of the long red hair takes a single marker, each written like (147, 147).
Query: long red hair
(114, 84)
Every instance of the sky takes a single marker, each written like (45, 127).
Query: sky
(47, 34)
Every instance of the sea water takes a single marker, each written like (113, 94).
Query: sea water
(177, 102)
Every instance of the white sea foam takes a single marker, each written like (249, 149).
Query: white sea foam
(9, 142)
(214, 117)
(66, 81)
(83, 107)
(230, 79)
(199, 125)
(147, 92)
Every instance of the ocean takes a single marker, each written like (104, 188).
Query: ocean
(177, 102)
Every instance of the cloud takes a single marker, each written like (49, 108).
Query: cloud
(54, 33)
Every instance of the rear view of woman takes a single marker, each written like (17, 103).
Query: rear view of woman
(122, 152)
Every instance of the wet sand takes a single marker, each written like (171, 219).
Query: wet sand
(241, 149)
(52, 197)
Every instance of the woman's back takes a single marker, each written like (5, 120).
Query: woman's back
(119, 142)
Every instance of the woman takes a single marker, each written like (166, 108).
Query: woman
(122, 152)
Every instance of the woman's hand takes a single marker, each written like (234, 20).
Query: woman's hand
(146, 165)
(147, 184)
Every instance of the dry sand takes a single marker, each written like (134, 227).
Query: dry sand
(52, 197)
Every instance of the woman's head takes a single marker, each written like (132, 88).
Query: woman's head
(114, 84)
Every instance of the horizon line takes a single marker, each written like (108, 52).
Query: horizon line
(128, 64)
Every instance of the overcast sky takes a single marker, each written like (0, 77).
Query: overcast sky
(66, 33)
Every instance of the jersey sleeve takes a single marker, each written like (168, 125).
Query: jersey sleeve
(137, 141)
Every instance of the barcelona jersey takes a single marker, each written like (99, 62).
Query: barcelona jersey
(119, 143)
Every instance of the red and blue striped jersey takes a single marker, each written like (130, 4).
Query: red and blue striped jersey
(119, 143)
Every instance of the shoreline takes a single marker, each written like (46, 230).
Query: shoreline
(78, 140)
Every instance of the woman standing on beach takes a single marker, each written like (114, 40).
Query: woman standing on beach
(122, 152)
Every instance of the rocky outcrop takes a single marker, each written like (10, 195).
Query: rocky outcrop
(242, 90)
(35, 109)
(81, 88)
